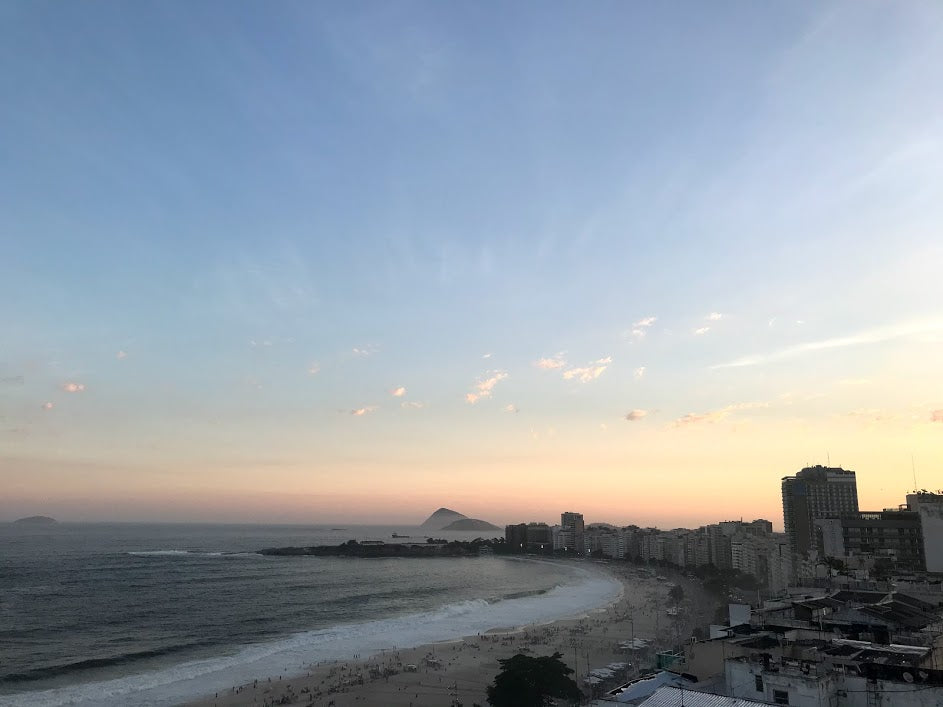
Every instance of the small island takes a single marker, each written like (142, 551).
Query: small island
(36, 520)
(471, 524)
(447, 519)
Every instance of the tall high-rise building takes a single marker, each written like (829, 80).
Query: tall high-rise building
(816, 492)
(571, 530)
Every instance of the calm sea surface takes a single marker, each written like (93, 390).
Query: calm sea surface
(154, 614)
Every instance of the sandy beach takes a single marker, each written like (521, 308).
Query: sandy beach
(458, 672)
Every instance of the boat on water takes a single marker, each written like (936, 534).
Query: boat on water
(397, 535)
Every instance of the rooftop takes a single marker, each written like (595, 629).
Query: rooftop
(675, 697)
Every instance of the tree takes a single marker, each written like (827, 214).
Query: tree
(532, 682)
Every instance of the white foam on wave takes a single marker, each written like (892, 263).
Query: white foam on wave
(293, 654)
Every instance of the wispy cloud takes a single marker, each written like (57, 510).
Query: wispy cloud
(550, 363)
(412, 405)
(693, 418)
(588, 373)
(48, 406)
(634, 415)
(484, 387)
(936, 416)
(873, 415)
(12, 380)
(366, 410)
(487, 355)
(365, 351)
(714, 317)
(121, 355)
(640, 328)
(640, 372)
(511, 408)
(871, 336)
(314, 368)
(73, 387)
(398, 392)
(701, 330)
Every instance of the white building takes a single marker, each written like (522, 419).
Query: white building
(833, 542)
(930, 508)
(816, 684)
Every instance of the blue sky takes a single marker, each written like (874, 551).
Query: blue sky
(610, 240)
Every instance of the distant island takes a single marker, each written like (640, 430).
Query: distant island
(471, 524)
(441, 518)
(447, 519)
(37, 520)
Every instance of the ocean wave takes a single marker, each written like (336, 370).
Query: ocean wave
(292, 654)
(79, 665)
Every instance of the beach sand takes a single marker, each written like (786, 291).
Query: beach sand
(458, 672)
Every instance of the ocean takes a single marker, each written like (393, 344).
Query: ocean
(134, 614)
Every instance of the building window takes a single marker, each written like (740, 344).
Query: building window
(780, 697)
(759, 683)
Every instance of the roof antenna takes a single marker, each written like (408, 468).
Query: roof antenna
(828, 458)
(913, 469)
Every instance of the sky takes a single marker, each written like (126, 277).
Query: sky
(350, 262)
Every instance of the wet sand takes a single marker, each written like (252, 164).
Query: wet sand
(459, 671)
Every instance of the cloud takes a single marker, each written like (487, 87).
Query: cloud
(48, 406)
(634, 415)
(936, 416)
(873, 415)
(121, 355)
(511, 408)
(701, 330)
(73, 387)
(695, 418)
(364, 352)
(487, 355)
(412, 405)
(398, 392)
(12, 380)
(640, 372)
(714, 317)
(484, 387)
(870, 336)
(551, 363)
(640, 328)
(360, 412)
(717, 415)
(314, 368)
(590, 372)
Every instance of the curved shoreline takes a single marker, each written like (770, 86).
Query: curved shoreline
(437, 672)
(295, 654)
